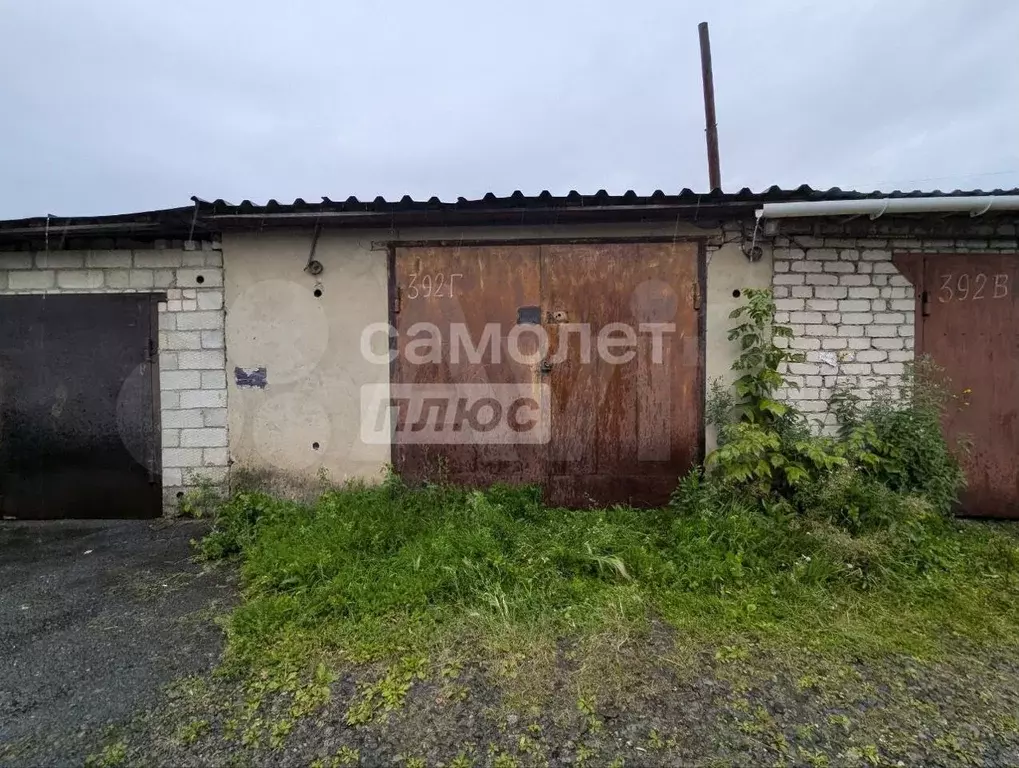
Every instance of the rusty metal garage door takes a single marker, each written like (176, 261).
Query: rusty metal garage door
(970, 326)
(78, 407)
(586, 375)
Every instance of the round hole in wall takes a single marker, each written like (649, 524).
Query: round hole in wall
(315, 445)
(736, 293)
(318, 292)
(180, 494)
(200, 279)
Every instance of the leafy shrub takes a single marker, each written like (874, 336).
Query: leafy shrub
(765, 446)
(888, 468)
(911, 453)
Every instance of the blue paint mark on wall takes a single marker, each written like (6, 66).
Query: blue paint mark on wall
(254, 378)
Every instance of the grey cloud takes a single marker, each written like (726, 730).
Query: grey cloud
(119, 106)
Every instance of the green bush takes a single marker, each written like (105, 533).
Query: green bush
(912, 454)
(889, 462)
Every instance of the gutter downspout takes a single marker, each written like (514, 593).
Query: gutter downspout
(977, 205)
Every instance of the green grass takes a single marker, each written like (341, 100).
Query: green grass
(388, 573)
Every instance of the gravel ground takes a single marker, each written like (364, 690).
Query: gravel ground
(108, 642)
(96, 617)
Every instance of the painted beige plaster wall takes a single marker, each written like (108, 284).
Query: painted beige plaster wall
(310, 346)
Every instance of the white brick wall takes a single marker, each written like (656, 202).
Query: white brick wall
(192, 364)
(851, 312)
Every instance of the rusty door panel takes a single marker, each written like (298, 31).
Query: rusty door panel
(470, 288)
(969, 325)
(79, 428)
(623, 431)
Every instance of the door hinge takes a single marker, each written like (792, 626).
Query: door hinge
(925, 306)
(696, 296)
(397, 300)
(151, 353)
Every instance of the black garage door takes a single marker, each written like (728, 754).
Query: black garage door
(79, 406)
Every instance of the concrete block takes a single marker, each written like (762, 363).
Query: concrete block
(839, 266)
(885, 268)
(163, 278)
(183, 340)
(108, 259)
(805, 317)
(206, 437)
(141, 278)
(215, 417)
(787, 279)
(834, 343)
(171, 438)
(60, 260)
(818, 279)
(857, 318)
(852, 369)
(206, 359)
(31, 280)
(213, 380)
(862, 292)
(854, 305)
(172, 477)
(851, 280)
(830, 292)
(118, 278)
(890, 318)
(180, 379)
(15, 261)
(203, 398)
(200, 321)
(182, 457)
(893, 342)
(189, 419)
(210, 300)
(212, 340)
(870, 356)
(805, 343)
(216, 457)
(158, 258)
(850, 330)
(823, 254)
(200, 278)
(789, 305)
(802, 291)
(876, 255)
(805, 266)
(80, 279)
(882, 331)
(888, 369)
(822, 304)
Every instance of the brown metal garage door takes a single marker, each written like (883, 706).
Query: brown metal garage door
(970, 326)
(78, 423)
(598, 343)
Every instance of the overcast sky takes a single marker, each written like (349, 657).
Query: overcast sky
(118, 105)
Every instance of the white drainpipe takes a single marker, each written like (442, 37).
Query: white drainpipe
(875, 207)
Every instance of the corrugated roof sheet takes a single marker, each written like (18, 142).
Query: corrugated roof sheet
(546, 200)
(204, 217)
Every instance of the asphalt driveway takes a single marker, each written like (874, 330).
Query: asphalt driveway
(96, 617)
